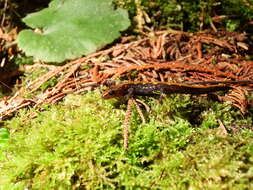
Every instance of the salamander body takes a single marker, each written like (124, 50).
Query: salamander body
(154, 88)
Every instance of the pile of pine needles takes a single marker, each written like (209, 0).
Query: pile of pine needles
(171, 56)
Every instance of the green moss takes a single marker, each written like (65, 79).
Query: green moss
(192, 15)
(31, 75)
(78, 145)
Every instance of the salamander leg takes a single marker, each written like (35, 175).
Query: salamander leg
(130, 93)
(162, 96)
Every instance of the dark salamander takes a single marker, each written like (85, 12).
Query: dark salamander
(154, 88)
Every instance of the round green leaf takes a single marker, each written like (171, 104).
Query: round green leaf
(71, 28)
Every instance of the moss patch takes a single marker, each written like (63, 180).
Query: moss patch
(78, 145)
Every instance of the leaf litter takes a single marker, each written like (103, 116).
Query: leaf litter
(171, 56)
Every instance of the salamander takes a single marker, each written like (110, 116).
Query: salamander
(154, 88)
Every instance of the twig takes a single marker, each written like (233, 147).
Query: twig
(4, 10)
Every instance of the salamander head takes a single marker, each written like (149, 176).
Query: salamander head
(116, 91)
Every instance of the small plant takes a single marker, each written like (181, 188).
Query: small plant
(193, 15)
(67, 29)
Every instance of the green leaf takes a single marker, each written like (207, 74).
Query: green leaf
(71, 28)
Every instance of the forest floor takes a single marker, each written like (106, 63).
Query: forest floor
(65, 136)
(186, 143)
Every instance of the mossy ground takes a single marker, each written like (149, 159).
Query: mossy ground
(77, 144)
